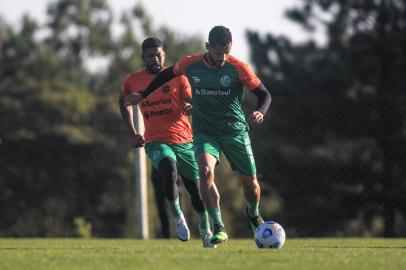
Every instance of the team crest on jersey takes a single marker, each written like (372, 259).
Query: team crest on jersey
(225, 80)
(166, 88)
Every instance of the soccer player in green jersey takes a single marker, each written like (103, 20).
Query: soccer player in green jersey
(219, 125)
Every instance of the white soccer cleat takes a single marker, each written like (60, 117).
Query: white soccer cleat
(205, 235)
(182, 230)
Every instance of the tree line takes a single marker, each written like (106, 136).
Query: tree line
(337, 129)
(330, 154)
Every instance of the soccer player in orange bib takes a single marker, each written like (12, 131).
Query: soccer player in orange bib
(168, 135)
(219, 125)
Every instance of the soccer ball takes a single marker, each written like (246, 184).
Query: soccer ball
(270, 235)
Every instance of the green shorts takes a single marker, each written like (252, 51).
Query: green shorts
(182, 153)
(237, 150)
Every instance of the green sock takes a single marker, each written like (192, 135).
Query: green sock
(175, 207)
(253, 209)
(215, 215)
(203, 220)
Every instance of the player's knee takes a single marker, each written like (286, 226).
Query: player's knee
(203, 171)
(256, 187)
(206, 174)
(171, 175)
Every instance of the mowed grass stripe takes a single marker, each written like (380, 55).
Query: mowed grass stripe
(331, 253)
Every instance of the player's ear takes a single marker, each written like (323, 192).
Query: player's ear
(207, 46)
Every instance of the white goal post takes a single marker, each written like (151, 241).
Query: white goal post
(141, 195)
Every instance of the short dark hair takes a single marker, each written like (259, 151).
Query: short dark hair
(151, 42)
(220, 35)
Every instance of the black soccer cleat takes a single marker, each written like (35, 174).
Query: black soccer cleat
(254, 221)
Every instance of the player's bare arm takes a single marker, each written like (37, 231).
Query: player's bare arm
(136, 139)
(264, 101)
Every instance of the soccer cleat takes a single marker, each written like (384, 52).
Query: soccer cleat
(206, 234)
(219, 236)
(182, 230)
(254, 221)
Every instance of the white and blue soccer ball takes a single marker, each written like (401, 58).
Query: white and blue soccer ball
(270, 235)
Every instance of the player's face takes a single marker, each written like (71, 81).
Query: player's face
(217, 55)
(154, 59)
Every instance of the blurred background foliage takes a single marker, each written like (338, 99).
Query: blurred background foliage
(331, 154)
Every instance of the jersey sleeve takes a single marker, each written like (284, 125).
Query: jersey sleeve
(246, 75)
(180, 67)
(185, 87)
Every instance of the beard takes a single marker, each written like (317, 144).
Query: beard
(154, 69)
(214, 62)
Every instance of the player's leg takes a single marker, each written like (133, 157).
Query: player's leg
(157, 182)
(238, 151)
(164, 159)
(193, 187)
(207, 152)
(189, 172)
(167, 168)
(252, 192)
(208, 187)
(211, 196)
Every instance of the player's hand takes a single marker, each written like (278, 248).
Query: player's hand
(133, 99)
(256, 118)
(137, 140)
(187, 108)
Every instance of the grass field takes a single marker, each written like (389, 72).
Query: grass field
(325, 254)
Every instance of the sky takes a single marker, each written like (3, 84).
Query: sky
(188, 17)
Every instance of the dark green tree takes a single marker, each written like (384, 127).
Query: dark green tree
(80, 28)
(63, 151)
(56, 165)
(337, 119)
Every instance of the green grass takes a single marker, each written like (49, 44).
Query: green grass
(325, 254)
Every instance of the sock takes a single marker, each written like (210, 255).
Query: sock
(203, 220)
(175, 207)
(215, 215)
(253, 209)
